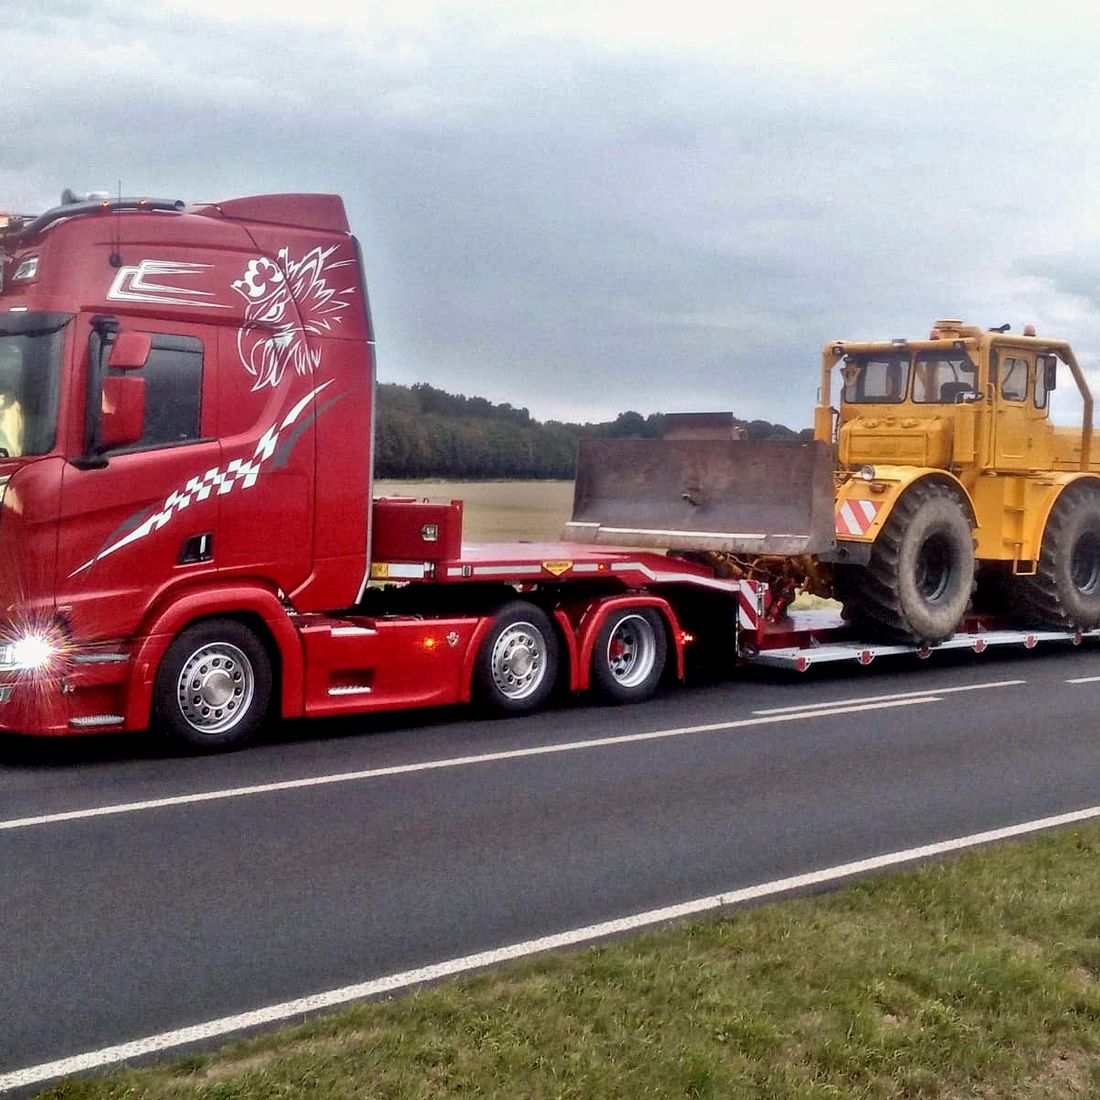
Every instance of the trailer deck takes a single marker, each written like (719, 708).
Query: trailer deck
(802, 639)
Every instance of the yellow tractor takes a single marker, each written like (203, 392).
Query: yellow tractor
(938, 481)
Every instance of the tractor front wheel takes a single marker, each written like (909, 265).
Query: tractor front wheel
(918, 583)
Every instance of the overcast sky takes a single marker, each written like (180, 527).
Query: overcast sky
(585, 207)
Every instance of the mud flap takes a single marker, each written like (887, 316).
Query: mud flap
(705, 494)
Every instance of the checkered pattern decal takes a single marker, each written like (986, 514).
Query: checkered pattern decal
(240, 473)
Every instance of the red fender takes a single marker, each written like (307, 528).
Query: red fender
(596, 615)
(229, 600)
(569, 654)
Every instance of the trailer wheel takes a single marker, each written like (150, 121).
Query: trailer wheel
(1064, 593)
(916, 587)
(629, 656)
(213, 687)
(518, 661)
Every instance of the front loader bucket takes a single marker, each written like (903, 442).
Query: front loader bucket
(704, 494)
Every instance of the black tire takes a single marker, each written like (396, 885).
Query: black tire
(918, 583)
(1064, 593)
(629, 657)
(517, 663)
(213, 687)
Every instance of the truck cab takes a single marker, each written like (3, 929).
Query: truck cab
(175, 382)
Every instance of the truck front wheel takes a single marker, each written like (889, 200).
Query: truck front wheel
(213, 687)
(518, 660)
(629, 656)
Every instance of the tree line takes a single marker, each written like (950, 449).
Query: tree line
(422, 431)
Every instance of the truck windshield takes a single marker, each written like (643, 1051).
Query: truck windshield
(30, 375)
(875, 379)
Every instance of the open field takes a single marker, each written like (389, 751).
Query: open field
(497, 511)
(975, 977)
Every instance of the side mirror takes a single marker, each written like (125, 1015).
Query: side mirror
(122, 414)
(130, 351)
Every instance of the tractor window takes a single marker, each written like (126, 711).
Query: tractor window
(1044, 370)
(944, 379)
(1013, 374)
(875, 381)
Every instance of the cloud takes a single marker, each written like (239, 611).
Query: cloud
(578, 211)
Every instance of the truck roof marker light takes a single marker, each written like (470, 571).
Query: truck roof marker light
(1029, 330)
(935, 335)
(429, 642)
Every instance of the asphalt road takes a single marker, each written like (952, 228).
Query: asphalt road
(123, 925)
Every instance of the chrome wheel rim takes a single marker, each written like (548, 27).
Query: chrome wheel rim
(215, 688)
(518, 661)
(631, 650)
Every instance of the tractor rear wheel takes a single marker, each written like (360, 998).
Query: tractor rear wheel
(918, 583)
(1064, 593)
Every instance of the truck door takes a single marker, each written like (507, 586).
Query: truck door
(1011, 373)
(141, 518)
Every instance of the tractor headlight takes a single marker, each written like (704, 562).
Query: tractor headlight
(867, 473)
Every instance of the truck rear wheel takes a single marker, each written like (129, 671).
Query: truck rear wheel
(518, 661)
(916, 587)
(1064, 593)
(629, 656)
(213, 687)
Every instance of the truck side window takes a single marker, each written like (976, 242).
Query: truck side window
(1013, 379)
(173, 391)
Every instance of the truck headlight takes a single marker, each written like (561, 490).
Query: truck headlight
(28, 653)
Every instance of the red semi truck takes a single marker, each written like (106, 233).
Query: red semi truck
(188, 538)
(187, 530)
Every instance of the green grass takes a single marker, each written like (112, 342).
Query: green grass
(975, 977)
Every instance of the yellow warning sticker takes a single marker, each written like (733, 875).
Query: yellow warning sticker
(556, 568)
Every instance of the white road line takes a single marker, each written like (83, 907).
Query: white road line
(286, 1010)
(1085, 680)
(438, 765)
(897, 695)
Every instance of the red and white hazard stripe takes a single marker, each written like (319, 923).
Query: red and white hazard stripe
(749, 605)
(854, 517)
